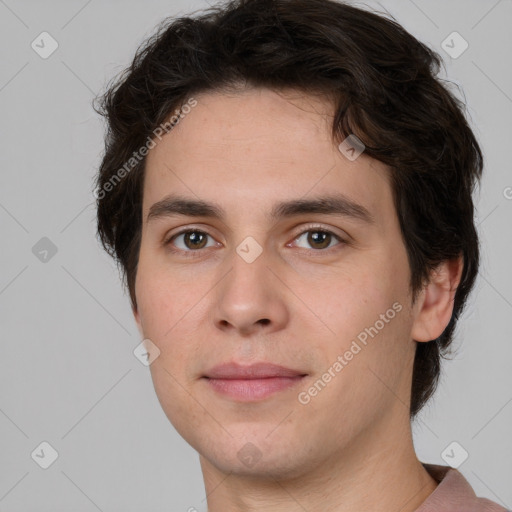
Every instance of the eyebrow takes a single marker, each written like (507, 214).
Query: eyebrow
(338, 204)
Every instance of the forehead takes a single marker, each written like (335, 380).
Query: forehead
(248, 149)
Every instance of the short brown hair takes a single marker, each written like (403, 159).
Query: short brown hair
(385, 89)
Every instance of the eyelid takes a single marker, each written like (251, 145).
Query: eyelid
(304, 228)
(188, 227)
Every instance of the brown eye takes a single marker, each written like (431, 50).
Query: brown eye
(188, 241)
(195, 239)
(319, 239)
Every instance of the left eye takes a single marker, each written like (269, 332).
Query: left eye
(192, 240)
(318, 238)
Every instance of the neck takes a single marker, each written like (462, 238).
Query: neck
(378, 471)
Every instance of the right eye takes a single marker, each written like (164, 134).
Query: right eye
(191, 241)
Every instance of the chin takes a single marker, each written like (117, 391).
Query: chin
(276, 462)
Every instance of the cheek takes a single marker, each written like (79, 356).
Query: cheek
(349, 301)
(157, 304)
(363, 311)
(375, 356)
(159, 294)
(170, 307)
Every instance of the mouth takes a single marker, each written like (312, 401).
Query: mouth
(248, 390)
(251, 383)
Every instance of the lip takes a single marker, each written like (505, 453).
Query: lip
(250, 383)
(261, 370)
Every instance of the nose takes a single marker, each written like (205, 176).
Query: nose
(251, 298)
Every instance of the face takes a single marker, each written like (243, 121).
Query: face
(323, 291)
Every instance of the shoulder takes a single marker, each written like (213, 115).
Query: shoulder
(454, 493)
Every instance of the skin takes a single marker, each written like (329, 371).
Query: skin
(350, 448)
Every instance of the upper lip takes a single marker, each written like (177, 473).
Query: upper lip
(261, 370)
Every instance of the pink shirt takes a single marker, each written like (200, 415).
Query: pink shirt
(454, 494)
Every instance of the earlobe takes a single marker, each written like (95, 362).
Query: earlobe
(435, 305)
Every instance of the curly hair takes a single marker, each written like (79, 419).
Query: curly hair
(385, 89)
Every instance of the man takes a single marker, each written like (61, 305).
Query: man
(288, 190)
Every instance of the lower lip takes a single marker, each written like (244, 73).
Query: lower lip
(247, 390)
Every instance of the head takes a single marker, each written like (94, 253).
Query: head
(256, 96)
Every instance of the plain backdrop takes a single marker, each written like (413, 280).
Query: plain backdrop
(68, 374)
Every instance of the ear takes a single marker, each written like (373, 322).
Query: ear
(434, 305)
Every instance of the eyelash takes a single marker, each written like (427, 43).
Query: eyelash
(190, 252)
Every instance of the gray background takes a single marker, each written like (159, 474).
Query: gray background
(68, 375)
